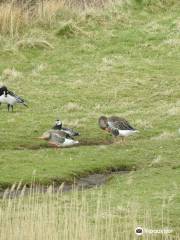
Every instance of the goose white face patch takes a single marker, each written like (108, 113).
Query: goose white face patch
(58, 122)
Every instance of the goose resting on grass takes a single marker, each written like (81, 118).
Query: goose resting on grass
(57, 138)
(118, 127)
(10, 98)
(69, 131)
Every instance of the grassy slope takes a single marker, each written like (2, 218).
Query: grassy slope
(129, 66)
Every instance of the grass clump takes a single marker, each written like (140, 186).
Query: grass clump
(15, 17)
(34, 43)
(66, 29)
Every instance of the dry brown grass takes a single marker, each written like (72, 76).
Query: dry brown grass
(156, 162)
(15, 16)
(34, 43)
(165, 135)
(11, 18)
(78, 215)
(71, 106)
(11, 75)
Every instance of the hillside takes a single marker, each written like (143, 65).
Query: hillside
(79, 64)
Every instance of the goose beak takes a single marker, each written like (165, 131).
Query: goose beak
(107, 129)
(41, 138)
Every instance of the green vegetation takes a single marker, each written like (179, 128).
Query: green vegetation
(118, 61)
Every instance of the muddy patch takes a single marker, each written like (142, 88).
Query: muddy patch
(87, 182)
(85, 142)
(93, 142)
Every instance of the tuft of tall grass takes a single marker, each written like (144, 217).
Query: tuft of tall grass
(51, 214)
(11, 18)
(15, 16)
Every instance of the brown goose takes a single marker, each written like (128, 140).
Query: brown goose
(57, 138)
(117, 126)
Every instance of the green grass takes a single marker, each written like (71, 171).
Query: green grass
(154, 189)
(122, 63)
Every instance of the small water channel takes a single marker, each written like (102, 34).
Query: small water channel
(89, 181)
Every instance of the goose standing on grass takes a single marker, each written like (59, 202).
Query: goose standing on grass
(10, 98)
(58, 138)
(118, 127)
(58, 126)
(3, 91)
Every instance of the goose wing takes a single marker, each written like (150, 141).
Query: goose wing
(119, 123)
(18, 99)
(57, 138)
(54, 134)
(70, 132)
(61, 133)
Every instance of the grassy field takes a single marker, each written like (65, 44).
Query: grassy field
(122, 60)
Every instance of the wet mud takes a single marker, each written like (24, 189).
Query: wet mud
(82, 183)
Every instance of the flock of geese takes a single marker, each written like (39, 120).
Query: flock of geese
(59, 136)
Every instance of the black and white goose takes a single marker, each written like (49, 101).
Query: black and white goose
(58, 126)
(10, 98)
(117, 126)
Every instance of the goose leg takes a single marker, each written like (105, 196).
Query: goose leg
(8, 106)
(115, 139)
(124, 140)
(121, 140)
(12, 107)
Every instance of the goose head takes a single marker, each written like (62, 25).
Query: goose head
(45, 136)
(58, 123)
(103, 123)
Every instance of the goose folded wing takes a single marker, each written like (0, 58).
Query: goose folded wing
(18, 99)
(70, 132)
(57, 138)
(62, 133)
(122, 124)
